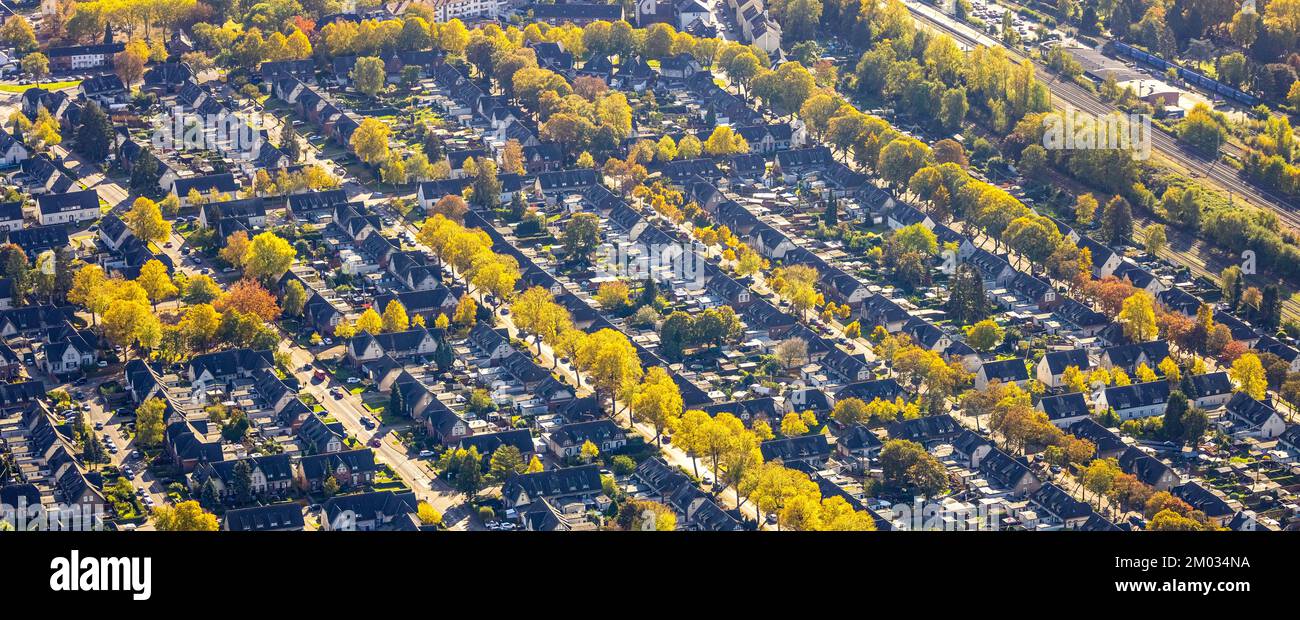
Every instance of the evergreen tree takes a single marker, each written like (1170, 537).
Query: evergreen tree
(1174, 412)
(966, 302)
(395, 404)
(649, 292)
(94, 135)
(832, 214)
(242, 485)
(145, 173)
(289, 142)
(1270, 309)
(1117, 221)
(442, 357)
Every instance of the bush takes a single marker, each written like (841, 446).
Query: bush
(623, 465)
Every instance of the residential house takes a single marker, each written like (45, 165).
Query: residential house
(1051, 367)
(1253, 418)
(68, 208)
(1148, 469)
(567, 440)
(1136, 400)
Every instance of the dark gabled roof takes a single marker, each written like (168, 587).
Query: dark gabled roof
(275, 467)
(101, 84)
(1209, 384)
(1240, 329)
(1098, 523)
(1126, 355)
(567, 179)
(1055, 501)
(867, 391)
(231, 361)
(1101, 253)
(660, 476)
(1179, 300)
(596, 431)
(311, 201)
(1269, 344)
(487, 443)
(923, 332)
(794, 159)
(522, 367)
(172, 73)
(1145, 467)
(370, 506)
(801, 448)
(1007, 370)
(1136, 275)
(316, 433)
(857, 438)
(1064, 406)
(486, 337)
(283, 516)
(925, 429)
(1137, 395)
(224, 183)
(1003, 469)
(1058, 361)
(1078, 314)
(418, 301)
(322, 465)
(554, 483)
(69, 201)
(187, 441)
(848, 366)
(1202, 499)
(753, 408)
(968, 441)
(85, 50)
(1254, 412)
(1105, 440)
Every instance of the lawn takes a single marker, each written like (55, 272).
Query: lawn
(22, 88)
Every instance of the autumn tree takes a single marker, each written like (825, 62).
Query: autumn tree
(249, 297)
(1138, 317)
(268, 256)
(146, 220)
(157, 281)
(184, 517)
(395, 319)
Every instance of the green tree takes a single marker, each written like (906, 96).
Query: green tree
(581, 236)
(295, 297)
(268, 257)
(506, 462)
(368, 75)
(1117, 221)
(149, 422)
(94, 135)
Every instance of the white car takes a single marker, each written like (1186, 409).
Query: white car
(354, 380)
(424, 454)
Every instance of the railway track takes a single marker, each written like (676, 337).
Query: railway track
(1070, 95)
